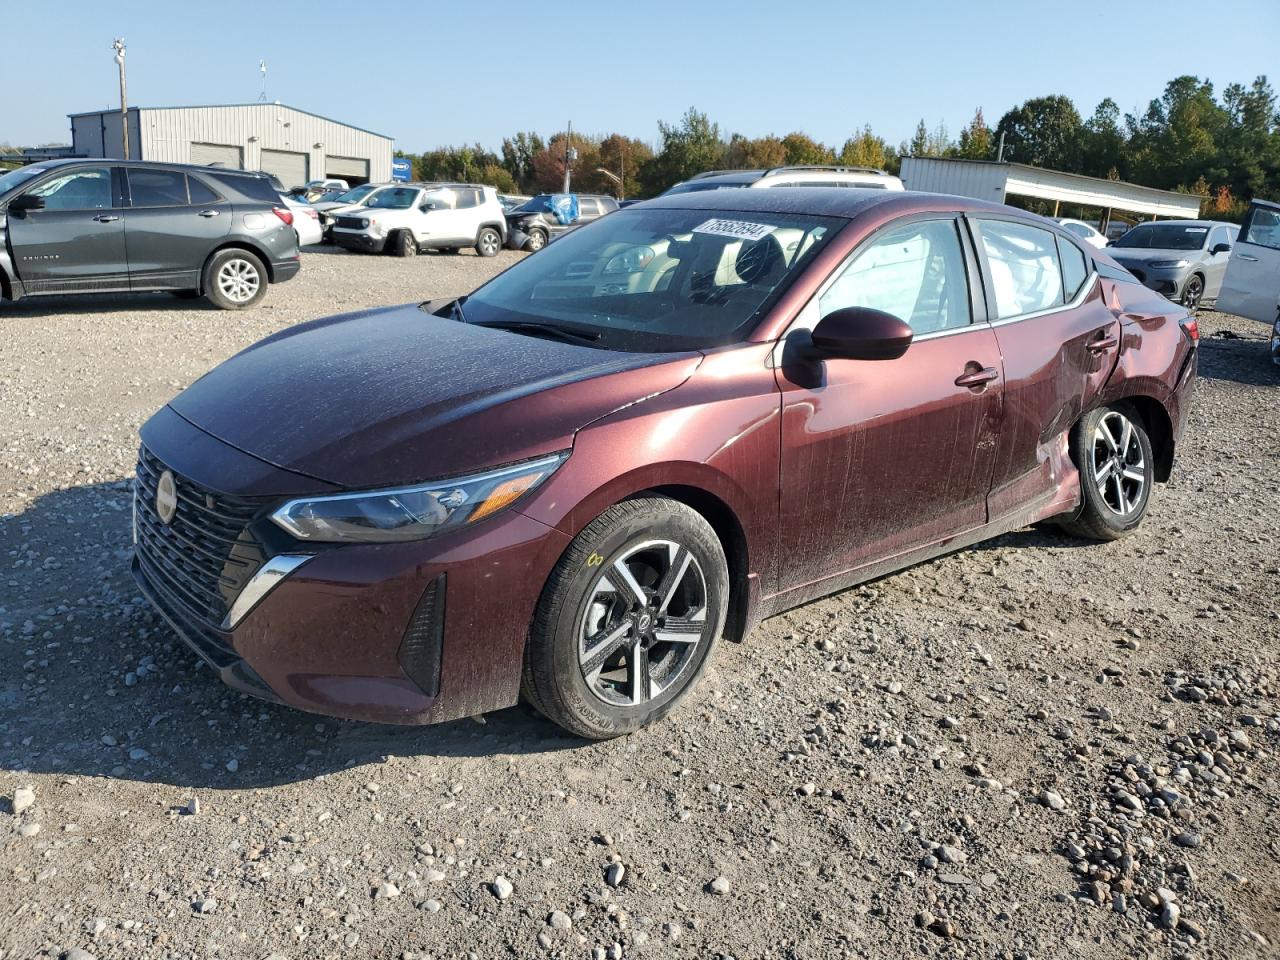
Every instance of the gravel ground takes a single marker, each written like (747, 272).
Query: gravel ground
(1036, 748)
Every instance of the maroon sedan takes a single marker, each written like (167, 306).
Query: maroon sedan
(668, 425)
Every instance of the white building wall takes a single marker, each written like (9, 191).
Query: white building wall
(982, 181)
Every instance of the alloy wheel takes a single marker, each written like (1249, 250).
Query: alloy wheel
(645, 617)
(238, 280)
(1192, 293)
(489, 243)
(1119, 467)
(536, 241)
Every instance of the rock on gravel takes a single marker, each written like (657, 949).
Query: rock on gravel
(23, 799)
(720, 886)
(501, 888)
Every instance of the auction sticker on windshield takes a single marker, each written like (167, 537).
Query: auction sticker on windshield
(735, 229)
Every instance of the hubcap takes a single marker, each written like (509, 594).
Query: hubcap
(238, 280)
(535, 241)
(489, 242)
(645, 617)
(1119, 469)
(1191, 295)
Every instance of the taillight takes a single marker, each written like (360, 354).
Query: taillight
(1192, 327)
(283, 214)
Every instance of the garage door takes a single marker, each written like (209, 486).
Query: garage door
(290, 168)
(224, 155)
(346, 167)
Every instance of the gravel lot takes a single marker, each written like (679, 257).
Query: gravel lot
(1036, 748)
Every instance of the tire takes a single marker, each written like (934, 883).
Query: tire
(1100, 445)
(234, 279)
(629, 676)
(405, 244)
(1193, 292)
(537, 240)
(488, 242)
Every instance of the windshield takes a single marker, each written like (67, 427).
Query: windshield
(657, 280)
(15, 178)
(356, 195)
(393, 198)
(698, 186)
(1164, 236)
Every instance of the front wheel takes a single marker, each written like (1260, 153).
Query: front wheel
(406, 245)
(1193, 292)
(234, 279)
(628, 619)
(1111, 448)
(537, 240)
(488, 242)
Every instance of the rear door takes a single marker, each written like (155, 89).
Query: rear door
(1251, 287)
(1059, 342)
(77, 241)
(168, 238)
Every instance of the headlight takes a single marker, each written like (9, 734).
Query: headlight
(413, 513)
(364, 223)
(1168, 264)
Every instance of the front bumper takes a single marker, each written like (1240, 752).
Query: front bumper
(1167, 281)
(398, 633)
(358, 241)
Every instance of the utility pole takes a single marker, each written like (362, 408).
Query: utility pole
(568, 155)
(118, 46)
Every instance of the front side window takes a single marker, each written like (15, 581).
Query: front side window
(915, 272)
(1262, 226)
(85, 189)
(1075, 268)
(157, 188)
(1025, 272)
(657, 280)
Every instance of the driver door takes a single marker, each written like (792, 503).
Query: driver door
(883, 456)
(77, 241)
(1251, 286)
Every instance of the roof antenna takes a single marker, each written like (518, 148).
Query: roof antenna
(262, 67)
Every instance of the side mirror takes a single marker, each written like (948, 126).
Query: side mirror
(26, 202)
(1221, 248)
(861, 333)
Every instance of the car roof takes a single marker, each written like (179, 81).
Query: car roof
(823, 201)
(1185, 223)
(194, 168)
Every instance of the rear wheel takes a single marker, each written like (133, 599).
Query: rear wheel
(234, 279)
(488, 242)
(1193, 292)
(628, 619)
(1112, 451)
(405, 245)
(537, 240)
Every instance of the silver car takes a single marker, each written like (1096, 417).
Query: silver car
(1183, 259)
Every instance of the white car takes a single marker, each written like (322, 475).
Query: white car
(306, 221)
(1251, 285)
(1082, 230)
(866, 178)
(352, 199)
(326, 184)
(409, 218)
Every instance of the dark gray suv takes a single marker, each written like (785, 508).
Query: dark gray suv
(99, 226)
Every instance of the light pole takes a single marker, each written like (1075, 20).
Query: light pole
(570, 155)
(118, 46)
(613, 178)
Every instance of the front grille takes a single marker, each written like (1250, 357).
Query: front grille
(350, 223)
(203, 559)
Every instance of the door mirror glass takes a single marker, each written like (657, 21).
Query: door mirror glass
(28, 201)
(1221, 248)
(862, 333)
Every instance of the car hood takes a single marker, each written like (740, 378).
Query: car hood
(1147, 254)
(329, 206)
(396, 395)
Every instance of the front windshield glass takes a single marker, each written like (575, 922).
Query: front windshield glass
(393, 198)
(357, 194)
(15, 178)
(1165, 236)
(657, 280)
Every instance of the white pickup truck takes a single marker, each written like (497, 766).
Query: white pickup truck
(405, 220)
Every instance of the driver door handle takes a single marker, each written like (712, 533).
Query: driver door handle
(1102, 343)
(106, 218)
(208, 213)
(978, 377)
(1245, 256)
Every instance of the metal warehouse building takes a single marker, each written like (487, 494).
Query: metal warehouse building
(294, 145)
(996, 180)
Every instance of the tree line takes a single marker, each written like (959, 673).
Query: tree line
(1223, 147)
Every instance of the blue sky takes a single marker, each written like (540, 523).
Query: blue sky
(444, 73)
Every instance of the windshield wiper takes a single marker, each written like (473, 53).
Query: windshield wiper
(538, 328)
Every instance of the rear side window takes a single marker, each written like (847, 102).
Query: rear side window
(200, 193)
(587, 208)
(259, 188)
(157, 188)
(1025, 271)
(1074, 268)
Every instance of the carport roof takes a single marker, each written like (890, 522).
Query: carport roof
(223, 106)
